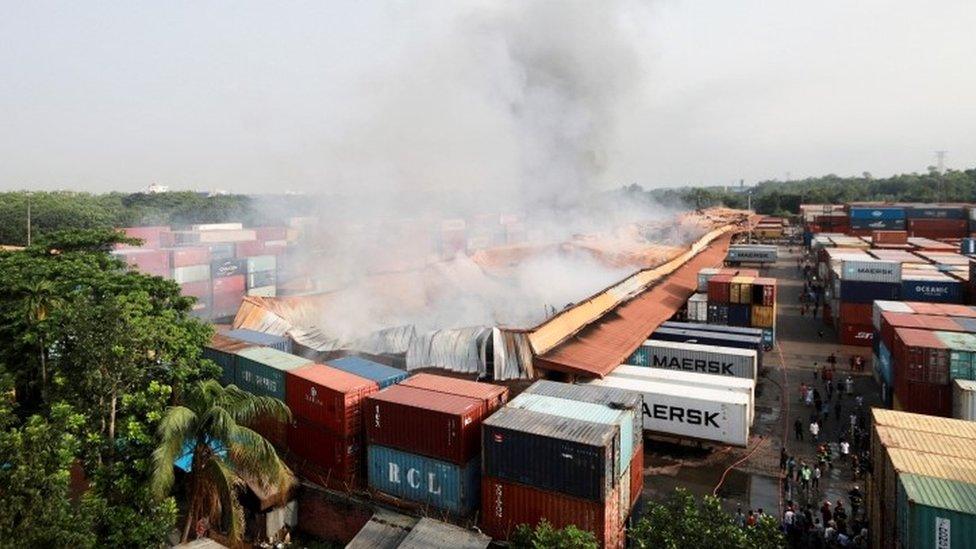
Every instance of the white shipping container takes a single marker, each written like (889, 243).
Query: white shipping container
(217, 227)
(707, 414)
(698, 308)
(883, 306)
(222, 235)
(192, 273)
(752, 254)
(265, 291)
(964, 399)
(871, 270)
(693, 380)
(704, 276)
(693, 357)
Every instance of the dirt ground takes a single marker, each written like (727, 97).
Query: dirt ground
(751, 477)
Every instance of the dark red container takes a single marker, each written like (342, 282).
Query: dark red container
(494, 396)
(151, 236)
(437, 425)
(328, 397)
(891, 320)
(889, 237)
(856, 313)
(199, 289)
(249, 249)
(718, 289)
(919, 355)
(271, 233)
(276, 432)
(228, 285)
(636, 475)
(336, 459)
(151, 262)
(189, 256)
(764, 291)
(938, 228)
(860, 335)
(505, 505)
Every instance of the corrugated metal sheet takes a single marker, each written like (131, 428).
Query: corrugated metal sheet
(429, 533)
(492, 395)
(282, 343)
(440, 484)
(383, 531)
(382, 374)
(926, 423)
(584, 341)
(936, 513)
(933, 465)
(456, 350)
(923, 442)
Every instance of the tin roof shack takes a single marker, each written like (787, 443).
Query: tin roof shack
(432, 533)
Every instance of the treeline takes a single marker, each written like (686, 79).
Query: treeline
(53, 211)
(776, 197)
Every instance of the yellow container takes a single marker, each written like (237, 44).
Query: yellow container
(740, 289)
(764, 316)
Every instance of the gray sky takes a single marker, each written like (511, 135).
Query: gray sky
(349, 96)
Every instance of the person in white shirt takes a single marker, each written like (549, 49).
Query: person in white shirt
(845, 449)
(815, 430)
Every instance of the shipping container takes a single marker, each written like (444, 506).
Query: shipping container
(925, 423)
(266, 291)
(261, 370)
(279, 342)
(736, 330)
(921, 368)
(962, 354)
(382, 374)
(585, 411)
(873, 212)
(937, 288)
(550, 453)
(189, 256)
(864, 227)
(505, 505)
(262, 279)
(929, 211)
(740, 290)
(764, 291)
(229, 285)
(861, 335)
(261, 263)
(271, 233)
(429, 423)
(191, 273)
(200, 290)
(150, 262)
(936, 513)
(740, 315)
(692, 380)
(493, 396)
(717, 314)
(870, 270)
(889, 237)
(440, 484)
(614, 398)
(883, 366)
(706, 414)
(698, 308)
(751, 253)
(217, 227)
(151, 237)
(704, 275)
(718, 289)
(222, 350)
(328, 397)
(763, 316)
(964, 399)
(692, 357)
(636, 476)
(227, 267)
(336, 457)
(702, 337)
(852, 291)
(938, 228)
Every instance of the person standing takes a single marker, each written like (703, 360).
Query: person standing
(782, 458)
(751, 519)
(817, 473)
(825, 412)
(825, 512)
(791, 468)
(798, 429)
(740, 519)
(805, 475)
(849, 385)
(845, 448)
(815, 431)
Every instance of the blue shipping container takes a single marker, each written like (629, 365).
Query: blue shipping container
(717, 314)
(740, 315)
(737, 330)
(383, 375)
(862, 212)
(879, 224)
(933, 291)
(281, 343)
(935, 212)
(883, 365)
(857, 291)
(769, 337)
(967, 246)
(433, 482)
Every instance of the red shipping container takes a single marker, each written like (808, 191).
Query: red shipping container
(889, 237)
(200, 289)
(938, 228)
(189, 256)
(151, 262)
(856, 313)
(920, 356)
(768, 286)
(891, 320)
(228, 285)
(249, 249)
(828, 317)
(437, 425)
(151, 236)
(276, 432)
(923, 398)
(337, 459)
(718, 289)
(494, 396)
(636, 475)
(328, 397)
(505, 505)
(271, 233)
(856, 334)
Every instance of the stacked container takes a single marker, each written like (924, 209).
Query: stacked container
(327, 423)
(383, 375)
(555, 466)
(425, 446)
(865, 219)
(228, 285)
(747, 301)
(692, 357)
(261, 371)
(222, 350)
(861, 282)
(261, 275)
(714, 338)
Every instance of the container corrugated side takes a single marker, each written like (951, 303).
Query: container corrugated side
(279, 342)
(921, 422)
(505, 505)
(494, 396)
(607, 396)
(964, 399)
(382, 374)
(871, 270)
(328, 458)
(223, 351)
(191, 273)
(585, 411)
(935, 513)
(692, 380)
(448, 486)
(261, 370)
(550, 453)
(733, 330)
(707, 414)
(692, 357)
(328, 397)
(419, 421)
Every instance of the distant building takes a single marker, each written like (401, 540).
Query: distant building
(157, 189)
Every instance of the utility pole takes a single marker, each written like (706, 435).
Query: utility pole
(28, 219)
(940, 157)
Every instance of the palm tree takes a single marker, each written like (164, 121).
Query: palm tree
(210, 427)
(39, 299)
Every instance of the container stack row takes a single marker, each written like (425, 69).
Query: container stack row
(920, 350)
(922, 488)
(742, 300)
(218, 264)
(934, 221)
(569, 454)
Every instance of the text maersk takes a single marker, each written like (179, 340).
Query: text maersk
(691, 416)
(693, 365)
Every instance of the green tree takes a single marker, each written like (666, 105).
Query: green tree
(210, 425)
(545, 536)
(684, 521)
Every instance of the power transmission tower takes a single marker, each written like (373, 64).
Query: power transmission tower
(940, 157)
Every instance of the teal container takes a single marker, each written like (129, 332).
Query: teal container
(623, 444)
(962, 354)
(261, 370)
(440, 484)
(261, 263)
(226, 361)
(935, 513)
